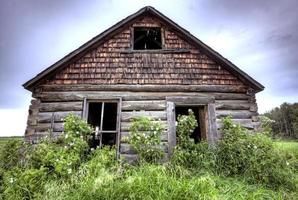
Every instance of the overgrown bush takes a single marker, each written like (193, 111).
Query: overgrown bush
(145, 138)
(25, 174)
(187, 153)
(252, 155)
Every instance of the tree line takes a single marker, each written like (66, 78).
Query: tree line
(285, 121)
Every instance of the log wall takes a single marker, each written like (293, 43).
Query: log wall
(52, 105)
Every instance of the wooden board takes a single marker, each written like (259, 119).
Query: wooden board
(125, 126)
(155, 115)
(44, 117)
(143, 105)
(61, 106)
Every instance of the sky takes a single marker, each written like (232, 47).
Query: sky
(259, 36)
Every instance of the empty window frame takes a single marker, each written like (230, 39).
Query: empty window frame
(147, 38)
(103, 117)
(200, 132)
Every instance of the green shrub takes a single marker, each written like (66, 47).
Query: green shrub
(24, 183)
(253, 156)
(198, 156)
(185, 127)
(145, 138)
(11, 154)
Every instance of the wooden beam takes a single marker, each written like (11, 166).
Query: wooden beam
(45, 117)
(190, 100)
(143, 105)
(147, 88)
(236, 114)
(61, 106)
(125, 126)
(125, 135)
(171, 121)
(247, 123)
(155, 115)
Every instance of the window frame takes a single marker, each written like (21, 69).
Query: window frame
(146, 27)
(85, 113)
(207, 102)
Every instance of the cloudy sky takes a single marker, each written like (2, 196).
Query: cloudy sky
(259, 36)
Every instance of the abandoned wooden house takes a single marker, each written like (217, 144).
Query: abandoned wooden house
(145, 65)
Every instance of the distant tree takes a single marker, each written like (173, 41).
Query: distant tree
(285, 120)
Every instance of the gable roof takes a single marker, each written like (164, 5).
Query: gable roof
(59, 65)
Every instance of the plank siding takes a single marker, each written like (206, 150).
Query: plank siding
(111, 63)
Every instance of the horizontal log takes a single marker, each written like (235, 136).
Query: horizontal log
(125, 136)
(125, 126)
(236, 114)
(155, 115)
(247, 123)
(191, 100)
(44, 127)
(146, 88)
(129, 158)
(61, 106)
(143, 105)
(231, 96)
(233, 106)
(128, 149)
(132, 96)
(44, 117)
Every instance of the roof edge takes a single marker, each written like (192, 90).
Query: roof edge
(29, 85)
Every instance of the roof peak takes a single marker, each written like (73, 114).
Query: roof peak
(109, 32)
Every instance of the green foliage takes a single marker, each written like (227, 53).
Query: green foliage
(188, 154)
(253, 156)
(101, 176)
(11, 154)
(145, 138)
(50, 159)
(185, 127)
(24, 183)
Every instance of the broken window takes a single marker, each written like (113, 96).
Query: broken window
(200, 131)
(102, 116)
(147, 38)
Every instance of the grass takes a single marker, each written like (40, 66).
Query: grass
(97, 180)
(290, 147)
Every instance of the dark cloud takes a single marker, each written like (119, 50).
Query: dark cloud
(260, 36)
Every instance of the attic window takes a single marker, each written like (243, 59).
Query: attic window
(147, 38)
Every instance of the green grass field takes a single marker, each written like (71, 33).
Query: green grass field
(3, 140)
(288, 147)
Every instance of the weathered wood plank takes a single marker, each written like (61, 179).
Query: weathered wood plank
(43, 127)
(44, 117)
(130, 158)
(233, 106)
(143, 105)
(125, 136)
(212, 135)
(155, 115)
(236, 114)
(171, 126)
(247, 123)
(132, 96)
(128, 149)
(61, 106)
(125, 126)
(147, 88)
(186, 100)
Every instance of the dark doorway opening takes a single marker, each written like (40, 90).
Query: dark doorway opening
(200, 131)
(102, 116)
(147, 38)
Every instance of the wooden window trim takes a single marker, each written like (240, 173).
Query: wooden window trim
(86, 102)
(146, 50)
(208, 102)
